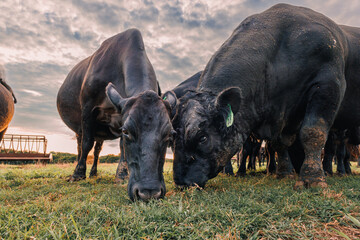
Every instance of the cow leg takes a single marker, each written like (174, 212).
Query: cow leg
(251, 153)
(347, 164)
(271, 168)
(261, 159)
(324, 101)
(284, 167)
(87, 143)
(311, 172)
(228, 169)
(271, 163)
(352, 147)
(98, 146)
(256, 155)
(242, 169)
(297, 155)
(238, 159)
(249, 162)
(78, 141)
(329, 153)
(122, 169)
(252, 161)
(340, 155)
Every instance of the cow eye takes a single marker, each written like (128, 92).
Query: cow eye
(203, 139)
(125, 132)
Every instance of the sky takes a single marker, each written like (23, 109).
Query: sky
(42, 40)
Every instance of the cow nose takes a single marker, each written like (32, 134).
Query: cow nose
(148, 192)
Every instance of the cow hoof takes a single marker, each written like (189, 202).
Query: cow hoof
(75, 178)
(240, 174)
(120, 180)
(122, 176)
(319, 184)
(299, 185)
(93, 174)
(288, 176)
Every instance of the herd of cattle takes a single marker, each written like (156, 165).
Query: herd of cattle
(289, 75)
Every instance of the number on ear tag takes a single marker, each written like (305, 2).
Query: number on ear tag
(230, 117)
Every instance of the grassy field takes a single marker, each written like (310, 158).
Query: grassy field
(37, 202)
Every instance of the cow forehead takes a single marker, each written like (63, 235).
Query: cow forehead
(194, 109)
(149, 96)
(193, 116)
(149, 106)
(149, 112)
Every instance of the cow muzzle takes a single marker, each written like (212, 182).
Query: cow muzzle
(148, 190)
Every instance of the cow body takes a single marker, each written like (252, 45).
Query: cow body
(285, 72)
(187, 85)
(7, 100)
(114, 93)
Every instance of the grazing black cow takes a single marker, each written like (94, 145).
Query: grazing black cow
(286, 71)
(7, 100)
(179, 91)
(114, 93)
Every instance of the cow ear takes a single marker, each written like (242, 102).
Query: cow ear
(114, 97)
(228, 103)
(171, 98)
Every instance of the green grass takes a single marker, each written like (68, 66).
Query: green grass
(37, 202)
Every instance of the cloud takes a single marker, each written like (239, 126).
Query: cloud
(35, 85)
(42, 40)
(31, 92)
(105, 14)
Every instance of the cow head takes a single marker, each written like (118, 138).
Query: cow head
(146, 130)
(207, 135)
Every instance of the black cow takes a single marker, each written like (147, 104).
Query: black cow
(286, 71)
(114, 93)
(179, 91)
(7, 100)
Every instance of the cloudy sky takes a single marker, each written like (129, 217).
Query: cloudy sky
(41, 40)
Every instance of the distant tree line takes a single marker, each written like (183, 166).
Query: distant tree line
(60, 157)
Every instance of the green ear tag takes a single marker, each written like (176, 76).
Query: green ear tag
(164, 98)
(230, 118)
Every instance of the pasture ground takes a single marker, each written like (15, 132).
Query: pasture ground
(37, 203)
